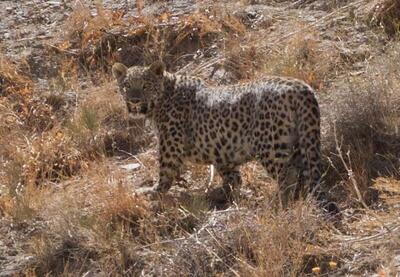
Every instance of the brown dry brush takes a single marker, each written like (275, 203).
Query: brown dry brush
(91, 229)
(100, 40)
(122, 233)
(114, 235)
(306, 58)
(386, 15)
(48, 149)
(15, 93)
(52, 137)
(364, 127)
(243, 243)
(17, 97)
(12, 81)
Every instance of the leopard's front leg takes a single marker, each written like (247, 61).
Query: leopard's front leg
(170, 159)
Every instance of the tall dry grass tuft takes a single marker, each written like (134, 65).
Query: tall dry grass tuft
(85, 39)
(12, 81)
(364, 127)
(124, 212)
(305, 58)
(64, 252)
(247, 243)
(386, 15)
(99, 223)
(286, 243)
(93, 225)
(18, 101)
(98, 40)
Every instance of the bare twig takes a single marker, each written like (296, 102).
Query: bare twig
(61, 50)
(347, 166)
(375, 236)
(133, 156)
(350, 174)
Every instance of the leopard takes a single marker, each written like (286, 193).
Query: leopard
(273, 120)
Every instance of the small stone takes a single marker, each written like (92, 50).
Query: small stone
(145, 190)
(316, 270)
(332, 265)
(131, 166)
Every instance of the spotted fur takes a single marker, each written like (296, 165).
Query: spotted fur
(274, 120)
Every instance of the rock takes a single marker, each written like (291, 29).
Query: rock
(145, 190)
(131, 166)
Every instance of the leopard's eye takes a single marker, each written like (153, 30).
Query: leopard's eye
(125, 86)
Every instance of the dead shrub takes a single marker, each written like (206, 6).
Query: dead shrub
(12, 81)
(53, 157)
(86, 33)
(126, 212)
(284, 251)
(303, 58)
(248, 243)
(386, 14)
(61, 254)
(241, 63)
(39, 116)
(21, 204)
(30, 112)
(103, 38)
(18, 199)
(84, 29)
(366, 121)
(123, 260)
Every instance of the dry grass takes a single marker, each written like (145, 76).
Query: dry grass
(107, 227)
(366, 121)
(50, 145)
(106, 222)
(12, 81)
(386, 15)
(63, 167)
(306, 58)
(97, 41)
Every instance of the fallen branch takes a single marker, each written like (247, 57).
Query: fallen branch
(375, 236)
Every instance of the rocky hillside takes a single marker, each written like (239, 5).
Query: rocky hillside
(73, 164)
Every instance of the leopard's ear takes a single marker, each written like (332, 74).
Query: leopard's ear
(119, 71)
(157, 68)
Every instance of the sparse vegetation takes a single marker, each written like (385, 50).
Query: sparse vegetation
(386, 15)
(73, 163)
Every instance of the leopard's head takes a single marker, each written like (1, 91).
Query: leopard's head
(140, 85)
